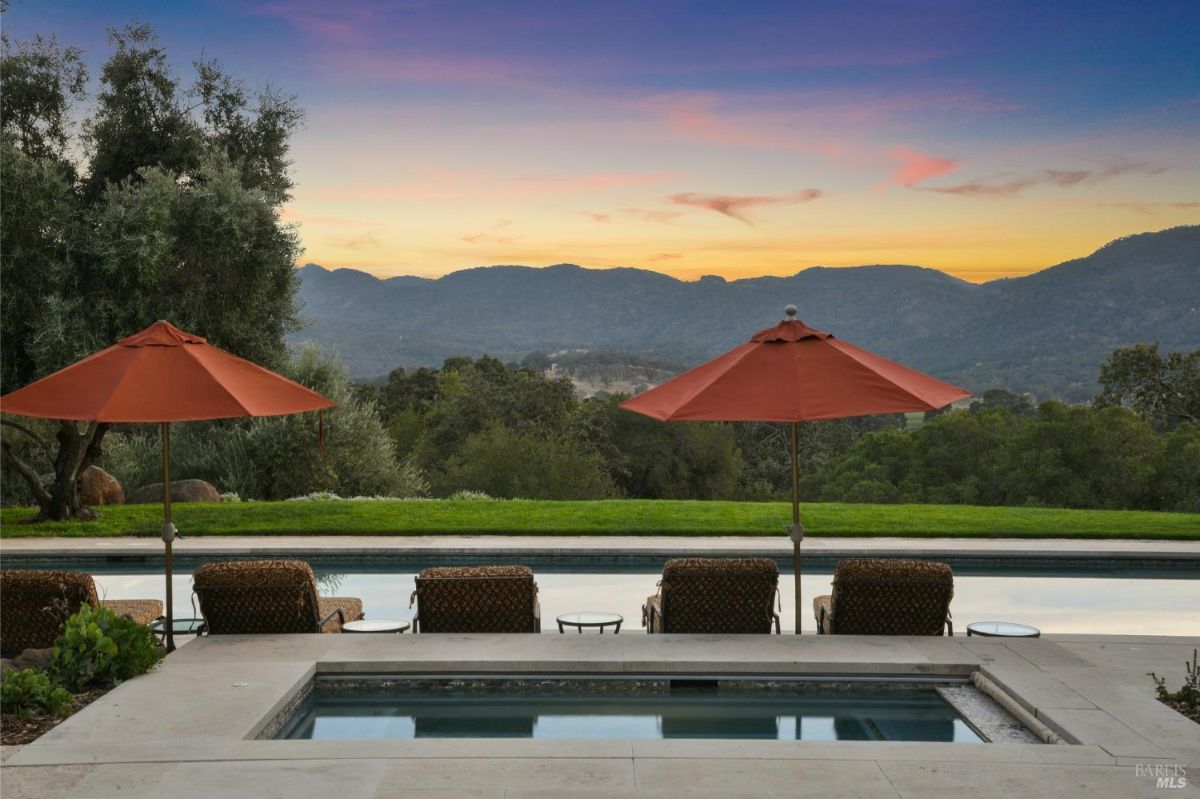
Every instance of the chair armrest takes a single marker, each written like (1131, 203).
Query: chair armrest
(775, 616)
(416, 624)
(823, 612)
(329, 617)
(949, 626)
(537, 616)
(652, 615)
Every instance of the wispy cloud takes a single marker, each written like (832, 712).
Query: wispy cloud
(1012, 185)
(916, 166)
(365, 241)
(662, 216)
(734, 206)
(1151, 208)
(340, 21)
(665, 256)
(440, 183)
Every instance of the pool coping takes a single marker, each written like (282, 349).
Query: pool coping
(649, 546)
(1090, 689)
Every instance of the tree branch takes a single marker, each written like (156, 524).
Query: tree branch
(40, 441)
(28, 472)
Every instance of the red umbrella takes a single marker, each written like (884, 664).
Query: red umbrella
(793, 373)
(162, 375)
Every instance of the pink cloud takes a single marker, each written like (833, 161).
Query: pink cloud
(660, 215)
(597, 217)
(665, 256)
(916, 167)
(342, 21)
(734, 206)
(1062, 178)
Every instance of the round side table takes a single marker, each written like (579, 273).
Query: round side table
(178, 627)
(393, 626)
(1002, 629)
(582, 619)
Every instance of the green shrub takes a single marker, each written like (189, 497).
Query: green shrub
(1189, 694)
(98, 649)
(30, 692)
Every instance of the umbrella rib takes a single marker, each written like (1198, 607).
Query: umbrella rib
(854, 357)
(116, 386)
(192, 354)
(700, 389)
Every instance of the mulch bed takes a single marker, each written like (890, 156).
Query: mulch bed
(1189, 710)
(15, 730)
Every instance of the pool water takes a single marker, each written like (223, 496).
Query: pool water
(1054, 602)
(868, 715)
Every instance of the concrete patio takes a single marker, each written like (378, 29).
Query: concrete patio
(187, 729)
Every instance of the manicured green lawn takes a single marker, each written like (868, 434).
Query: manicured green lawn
(612, 517)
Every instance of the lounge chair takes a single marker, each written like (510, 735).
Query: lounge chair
(268, 596)
(877, 596)
(714, 595)
(34, 603)
(476, 599)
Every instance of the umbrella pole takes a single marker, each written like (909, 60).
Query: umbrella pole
(168, 533)
(796, 531)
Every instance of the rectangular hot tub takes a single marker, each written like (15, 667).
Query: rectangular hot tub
(550, 708)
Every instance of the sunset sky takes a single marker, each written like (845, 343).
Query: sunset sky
(983, 139)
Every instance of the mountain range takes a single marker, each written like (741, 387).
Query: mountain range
(1045, 333)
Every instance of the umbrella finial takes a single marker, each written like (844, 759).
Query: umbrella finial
(791, 313)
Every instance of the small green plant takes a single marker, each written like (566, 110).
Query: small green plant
(31, 692)
(1189, 694)
(98, 649)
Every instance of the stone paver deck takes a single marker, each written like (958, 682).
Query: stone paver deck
(187, 729)
(671, 546)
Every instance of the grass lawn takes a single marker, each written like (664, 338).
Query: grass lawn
(611, 517)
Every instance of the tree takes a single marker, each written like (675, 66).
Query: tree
(175, 217)
(1016, 404)
(526, 464)
(1165, 390)
(42, 82)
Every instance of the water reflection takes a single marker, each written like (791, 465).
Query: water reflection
(838, 716)
(1054, 604)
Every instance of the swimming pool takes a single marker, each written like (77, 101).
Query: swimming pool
(629, 709)
(1082, 599)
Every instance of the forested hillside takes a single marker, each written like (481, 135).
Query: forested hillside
(1045, 333)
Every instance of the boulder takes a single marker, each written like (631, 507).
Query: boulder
(96, 487)
(39, 659)
(181, 491)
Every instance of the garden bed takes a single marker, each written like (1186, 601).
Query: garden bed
(16, 730)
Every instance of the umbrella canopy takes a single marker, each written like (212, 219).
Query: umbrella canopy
(163, 375)
(793, 373)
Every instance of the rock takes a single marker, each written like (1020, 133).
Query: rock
(181, 491)
(39, 659)
(96, 487)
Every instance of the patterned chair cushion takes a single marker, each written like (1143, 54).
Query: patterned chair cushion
(264, 596)
(716, 595)
(889, 596)
(34, 603)
(477, 599)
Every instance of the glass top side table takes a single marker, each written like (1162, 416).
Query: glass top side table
(1002, 629)
(581, 619)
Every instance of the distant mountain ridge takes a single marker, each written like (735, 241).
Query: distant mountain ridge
(1045, 333)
